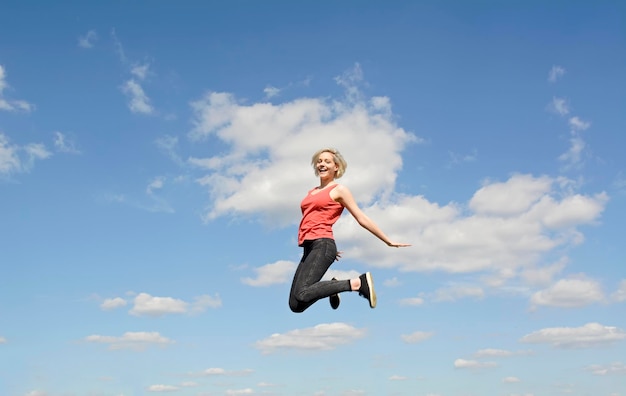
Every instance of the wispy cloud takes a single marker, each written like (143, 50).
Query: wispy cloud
(457, 292)
(18, 159)
(137, 341)
(169, 146)
(162, 388)
(498, 353)
(617, 368)
(138, 101)
(412, 301)
(150, 199)
(417, 337)
(64, 145)
(271, 91)
(456, 159)
(559, 106)
(113, 303)
(473, 364)
(620, 294)
(88, 39)
(218, 371)
(322, 337)
(587, 336)
(11, 104)
(555, 73)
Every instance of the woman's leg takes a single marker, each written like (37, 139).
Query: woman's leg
(307, 288)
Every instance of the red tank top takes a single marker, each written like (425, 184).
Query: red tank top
(319, 213)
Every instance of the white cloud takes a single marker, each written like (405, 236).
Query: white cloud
(270, 91)
(499, 353)
(214, 371)
(162, 388)
(559, 106)
(37, 393)
(587, 336)
(578, 125)
(445, 237)
(397, 378)
(169, 146)
(88, 40)
(267, 165)
(491, 352)
(620, 293)
(556, 73)
(416, 337)
(138, 100)
(3, 340)
(130, 340)
(262, 169)
(9, 160)
(510, 198)
(272, 274)
(322, 337)
(140, 71)
(573, 292)
(218, 371)
(619, 183)
(544, 275)
(156, 184)
(147, 305)
(393, 282)
(510, 380)
(573, 156)
(612, 368)
(201, 303)
(112, 303)
(472, 364)
(412, 301)
(236, 392)
(456, 159)
(63, 145)
(17, 159)
(457, 292)
(9, 104)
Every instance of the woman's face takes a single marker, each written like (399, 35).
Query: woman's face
(326, 166)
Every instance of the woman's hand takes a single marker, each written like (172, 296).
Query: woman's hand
(338, 256)
(396, 244)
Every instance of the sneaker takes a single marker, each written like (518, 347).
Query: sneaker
(334, 299)
(367, 289)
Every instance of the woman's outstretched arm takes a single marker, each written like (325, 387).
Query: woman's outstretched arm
(344, 197)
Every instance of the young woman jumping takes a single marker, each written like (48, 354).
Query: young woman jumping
(321, 208)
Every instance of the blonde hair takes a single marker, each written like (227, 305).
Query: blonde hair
(337, 158)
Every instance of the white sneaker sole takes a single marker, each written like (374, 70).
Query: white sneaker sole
(370, 286)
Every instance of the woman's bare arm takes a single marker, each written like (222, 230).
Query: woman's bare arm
(343, 195)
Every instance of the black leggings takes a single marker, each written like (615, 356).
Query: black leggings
(306, 288)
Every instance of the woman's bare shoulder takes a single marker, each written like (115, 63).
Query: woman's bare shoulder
(339, 191)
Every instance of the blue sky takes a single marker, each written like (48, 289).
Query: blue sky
(153, 155)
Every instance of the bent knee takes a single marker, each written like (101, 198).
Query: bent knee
(296, 306)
